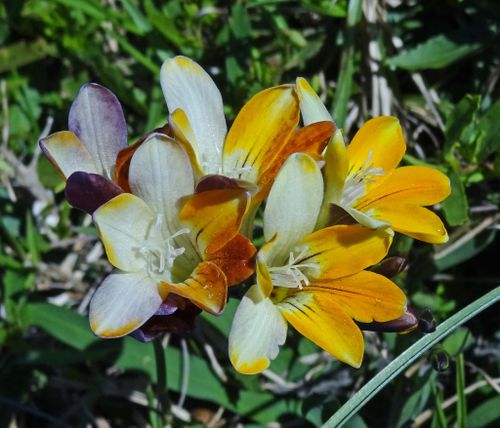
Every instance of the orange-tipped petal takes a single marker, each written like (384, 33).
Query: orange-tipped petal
(214, 217)
(68, 155)
(311, 139)
(185, 135)
(365, 296)
(206, 287)
(419, 185)
(257, 332)
(259, 132)
(412, 220)
(343, 250)
(379, 142)
(236, 259)
(188, 87)
(322, 320)
(122, 303)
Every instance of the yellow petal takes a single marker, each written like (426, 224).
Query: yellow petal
(419, 185)
(412, 220)
(344, 250)
(365, 296)
(65, 151)
(335, 173)
(260, 130)
(214, 217)
(318, 317)
(380, 142)
(206, 288)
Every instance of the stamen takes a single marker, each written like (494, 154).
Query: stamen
(291, 275)
(208, 167)
(158, 250)
(355, 185)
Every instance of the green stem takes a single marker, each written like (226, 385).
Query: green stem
(161, 381)
(414, 352)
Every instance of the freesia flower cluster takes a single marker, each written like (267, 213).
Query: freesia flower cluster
(175, 213)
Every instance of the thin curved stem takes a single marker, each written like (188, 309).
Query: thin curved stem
(414, 352)
(161, 382)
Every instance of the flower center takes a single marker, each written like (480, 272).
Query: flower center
(291, 275)
(235, 172)
(159, 251)
(355, 183)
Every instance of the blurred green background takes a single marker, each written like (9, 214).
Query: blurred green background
(434, 65)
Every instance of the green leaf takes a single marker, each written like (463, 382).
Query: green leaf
(458, 341)
(441, 51)
(455, 206)
(489, 129)
(365, 394)
(240, 22)
(462, 116)
(485, 414)
(445, 259)
(61, 323)
(346, 73)
(24, 53)
(139, 19)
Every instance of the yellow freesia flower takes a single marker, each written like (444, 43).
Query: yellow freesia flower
(364, 181)
(314, 280)
(261, 138)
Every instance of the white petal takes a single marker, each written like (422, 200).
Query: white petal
(311, 107)
(257, 332)
(66, 152)
(188, 87)
(364, 219)
(122, 303)
(123, 224)
(293, 205)
(160, 174)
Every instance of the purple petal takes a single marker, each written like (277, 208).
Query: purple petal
(405, 323)
(96, 117)
(88, 192)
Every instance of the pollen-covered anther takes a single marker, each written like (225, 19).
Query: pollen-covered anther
(291, 274)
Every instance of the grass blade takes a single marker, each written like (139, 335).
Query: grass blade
(414, 352)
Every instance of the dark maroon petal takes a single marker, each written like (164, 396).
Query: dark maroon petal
(217, 182)
(405, 323)
(96, 117)
(181, 321)
(337, 215)
(390, 266)
(88, 192)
